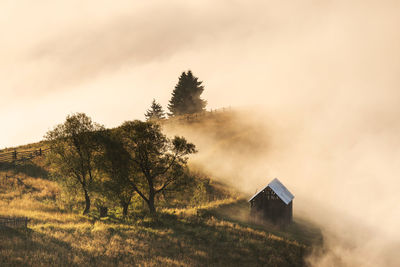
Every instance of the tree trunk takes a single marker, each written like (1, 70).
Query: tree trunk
(87, 202)
(125, 207)
(150, 200)
(152, 208)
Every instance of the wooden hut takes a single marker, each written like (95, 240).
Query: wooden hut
(272, 203)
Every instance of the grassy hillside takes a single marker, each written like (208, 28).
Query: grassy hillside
(211, 233)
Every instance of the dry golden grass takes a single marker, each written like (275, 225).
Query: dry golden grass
(216, 233)
(177, 237)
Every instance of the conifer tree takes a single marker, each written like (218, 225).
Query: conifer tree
(186, 96)
(155, 112)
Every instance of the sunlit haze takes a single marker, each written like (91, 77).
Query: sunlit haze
(111, 60)
(322, 76)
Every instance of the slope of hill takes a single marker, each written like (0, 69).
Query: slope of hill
(212, 233)
(232, 145)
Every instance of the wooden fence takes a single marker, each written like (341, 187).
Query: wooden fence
(14, 222)
(199, 115)
(21, 155)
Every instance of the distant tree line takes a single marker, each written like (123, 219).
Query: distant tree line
(133, 159)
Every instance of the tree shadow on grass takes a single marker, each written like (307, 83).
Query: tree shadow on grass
(32, 248)
(28, 168)
(27, 248)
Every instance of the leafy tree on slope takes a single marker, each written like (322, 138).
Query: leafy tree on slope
(159, 161)
(73, 149)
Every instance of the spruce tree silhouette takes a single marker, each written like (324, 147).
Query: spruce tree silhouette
(155, 112)
(186, 96)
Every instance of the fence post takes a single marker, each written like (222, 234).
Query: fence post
(40, 151)
(15, 155)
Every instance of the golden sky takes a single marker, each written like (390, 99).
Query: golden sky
(110, 59)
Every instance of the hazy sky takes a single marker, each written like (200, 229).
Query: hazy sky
(111, 59)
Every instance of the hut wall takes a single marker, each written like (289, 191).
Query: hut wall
(268, 206)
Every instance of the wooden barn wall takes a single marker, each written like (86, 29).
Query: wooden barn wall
(268, 206)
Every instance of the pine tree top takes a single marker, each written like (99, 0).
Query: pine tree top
(155, 112)
(186, 96)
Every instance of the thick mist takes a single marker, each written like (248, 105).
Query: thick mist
(344, 178)
(327, 118)
(317, 82)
